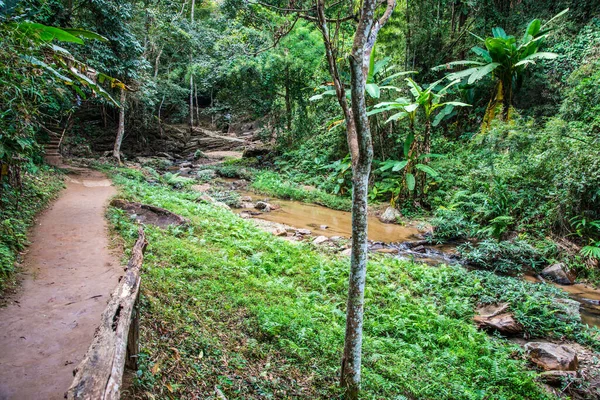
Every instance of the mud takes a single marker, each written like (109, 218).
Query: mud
(67, 276)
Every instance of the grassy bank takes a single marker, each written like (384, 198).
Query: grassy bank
(18, 208)
(228, 306)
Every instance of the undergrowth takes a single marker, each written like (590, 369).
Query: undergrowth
(227, 306)
(18, 208)
(271, 183)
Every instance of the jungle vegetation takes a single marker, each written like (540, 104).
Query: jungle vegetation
(481, 117)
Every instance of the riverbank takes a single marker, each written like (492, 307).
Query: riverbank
(227, 307)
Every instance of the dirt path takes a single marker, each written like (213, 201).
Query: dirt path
(68, 275)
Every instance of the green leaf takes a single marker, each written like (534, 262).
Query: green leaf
(82, 33)
(410, 181)
(48, 33)
(399, 165)
(371, 66)
(482, 53)
(373, 90)
(532, 29)
(427, 169)
(395, 117)
(498, 32)
(541, 55)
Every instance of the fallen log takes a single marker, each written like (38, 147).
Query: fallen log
(100, 373)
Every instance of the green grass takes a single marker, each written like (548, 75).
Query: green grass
(18, 208)
(229, 306)
(271, 183)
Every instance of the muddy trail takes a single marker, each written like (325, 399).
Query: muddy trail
(67, 276)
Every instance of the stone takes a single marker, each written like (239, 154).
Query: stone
(387, 250)
(346, 252)
(557, 273)
(494, 317)
(201, 188)
(263, 206)
(206, 198)
(419, 249)
(390, 215)
(245, 204)
(303, 232)
(222, 205)
(280, 232)
(186, 164)
(246, 199)
(550, 356)
(323, 227)
(320, 239)
(245, 215)
(557, 378)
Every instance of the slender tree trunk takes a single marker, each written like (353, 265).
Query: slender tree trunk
(160, 128)
(120, 129)
(157, 62)
(191, 100)
(192, 11)
(197, 107)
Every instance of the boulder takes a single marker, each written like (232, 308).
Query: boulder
(387, 250)
(557, 273)
(263, 206)
(185, 164)
(320, 239)
(256, 151)
(201, 188)
(280, 232)
(245, 204)
(557, 378)
(346, 252)
(390, 215)
(550, 356)
(303, 232)
(494, 317)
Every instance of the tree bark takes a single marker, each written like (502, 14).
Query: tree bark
(120, 129)
(364, 41)
(191, 100)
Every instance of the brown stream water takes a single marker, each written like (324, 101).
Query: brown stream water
(312, 216)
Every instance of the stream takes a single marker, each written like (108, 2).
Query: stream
(407, 239)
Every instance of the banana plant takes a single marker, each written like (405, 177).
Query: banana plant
(434, 110)
(504, 59)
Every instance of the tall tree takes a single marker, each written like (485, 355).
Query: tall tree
(358, 135)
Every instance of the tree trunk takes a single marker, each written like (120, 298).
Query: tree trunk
(360, 146)
(197, 107)
(191, 100)
(120, 129)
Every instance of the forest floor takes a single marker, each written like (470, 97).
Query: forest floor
(67, 276)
